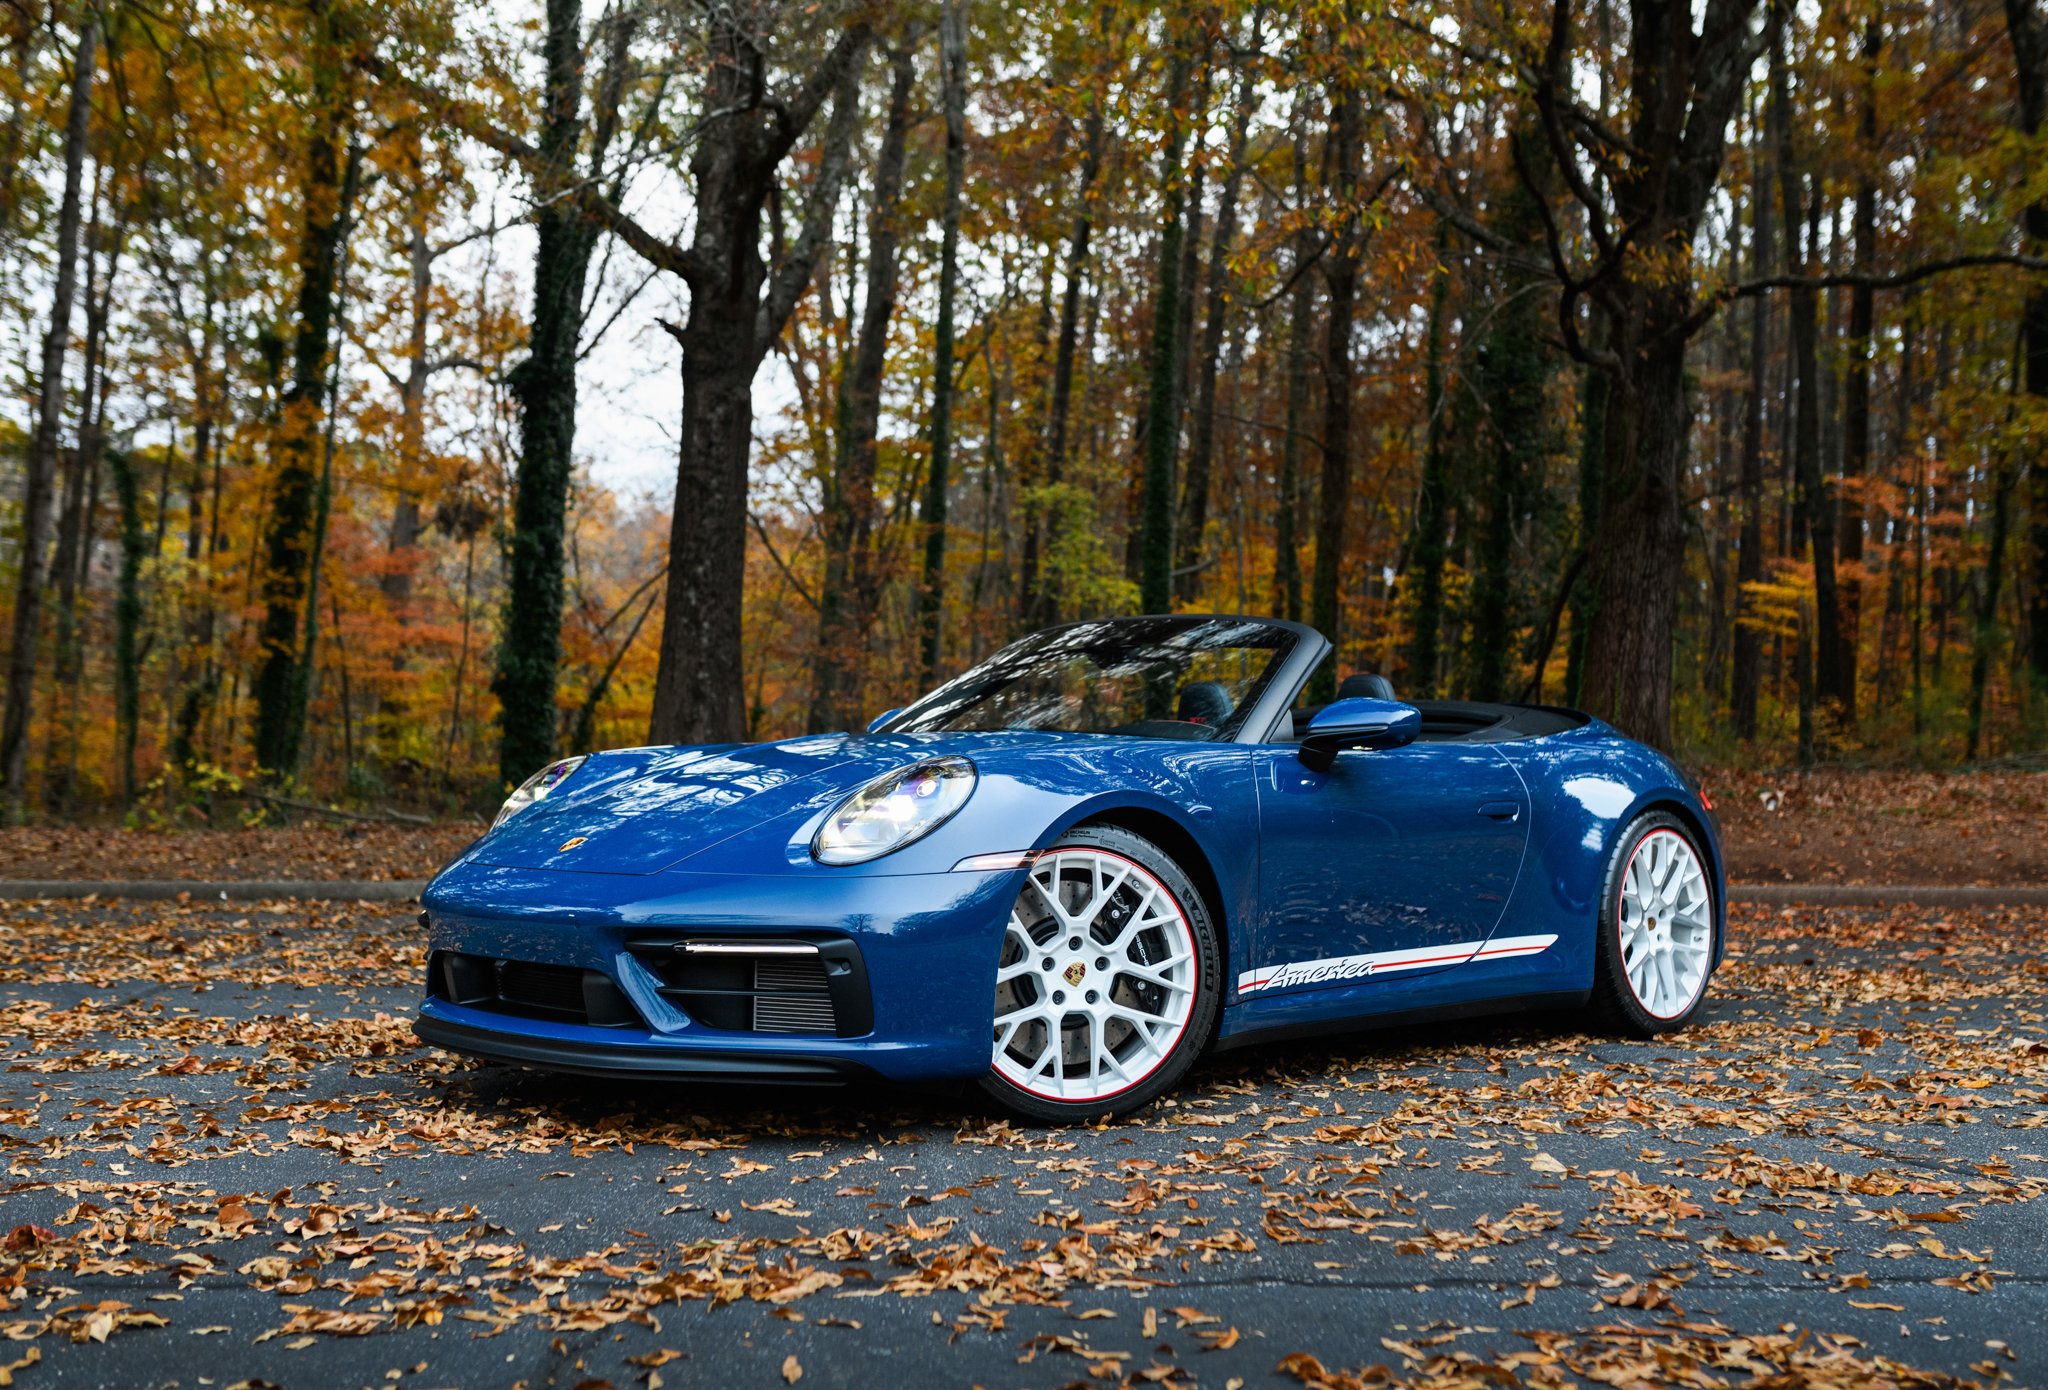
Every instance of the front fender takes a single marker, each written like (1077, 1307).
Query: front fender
(1585, 788)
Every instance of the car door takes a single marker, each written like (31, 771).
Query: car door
(1394, 862)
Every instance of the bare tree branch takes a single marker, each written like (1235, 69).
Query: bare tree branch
(1715, 299)
(780, 563)
(796, 116)
(786, 282)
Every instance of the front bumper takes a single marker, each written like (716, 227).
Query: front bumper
(928, 944)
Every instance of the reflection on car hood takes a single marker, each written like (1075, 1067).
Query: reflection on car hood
(639, 811)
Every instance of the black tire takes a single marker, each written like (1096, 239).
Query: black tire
(1201, 1020)
(1614, 998)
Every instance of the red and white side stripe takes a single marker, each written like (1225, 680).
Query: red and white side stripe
(1337, 969)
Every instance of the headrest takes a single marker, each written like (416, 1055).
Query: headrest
(1204, 702)
(1366, 685)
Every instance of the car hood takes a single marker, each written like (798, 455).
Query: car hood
(643, 810)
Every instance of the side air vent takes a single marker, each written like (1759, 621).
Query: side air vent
(760, 985)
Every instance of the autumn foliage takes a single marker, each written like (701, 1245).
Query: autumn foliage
(1427, 323)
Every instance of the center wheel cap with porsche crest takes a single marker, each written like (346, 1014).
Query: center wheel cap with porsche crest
(1075, 973)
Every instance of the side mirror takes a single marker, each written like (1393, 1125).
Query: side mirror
(1343, 724)
(884, 717)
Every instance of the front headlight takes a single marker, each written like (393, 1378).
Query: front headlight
(894, 811)
(537, 787)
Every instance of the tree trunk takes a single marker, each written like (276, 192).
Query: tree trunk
(2028, 26)
(1300, 332)
(1340, 273)
(1155, 518)
(71, 565)
(931, 606)
(198, 670)
(1426, 544)
(41, 463)
(1638, 555)
(323, 494)
(1287, 521)
(1984, 634)
(403, 541)
(1813, 509)
(1512, 378)
(1685, 85)
(288, 530)
(1196, 166)
(1194, 497)
(1749, 563)
(127, 624)
(1856, 430)
(845, 597)
(737, 311)
(1595, 391)
(1037, 602)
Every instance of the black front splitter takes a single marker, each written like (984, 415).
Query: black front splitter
(598, 1059)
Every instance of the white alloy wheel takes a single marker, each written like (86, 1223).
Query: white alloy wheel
(1666, 921)
(1097, 978)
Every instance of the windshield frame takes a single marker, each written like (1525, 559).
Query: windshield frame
(1299, 648)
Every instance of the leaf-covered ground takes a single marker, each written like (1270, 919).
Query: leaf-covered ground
(1870, 826)
(314, 850)
(1833, 826)
(228, 1160)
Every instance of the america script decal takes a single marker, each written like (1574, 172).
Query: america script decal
(1334, 969)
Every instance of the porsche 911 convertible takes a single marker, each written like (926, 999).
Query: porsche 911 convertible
(1067, 873)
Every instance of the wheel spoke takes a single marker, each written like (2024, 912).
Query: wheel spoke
(1101, 1059)
(1639, 976)
(1007, 1033)
(1022, 1010)
(1154, 977)
(1145, 1024)
(1105, 888)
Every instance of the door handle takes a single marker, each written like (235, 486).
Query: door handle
(1500, 810)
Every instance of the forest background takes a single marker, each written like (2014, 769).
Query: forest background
(393, 396)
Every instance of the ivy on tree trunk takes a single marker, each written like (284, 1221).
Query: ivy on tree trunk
(288, 531)
(544, 386)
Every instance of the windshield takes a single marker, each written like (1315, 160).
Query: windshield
(1185, 678)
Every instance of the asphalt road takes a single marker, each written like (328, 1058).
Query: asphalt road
(228, 1161)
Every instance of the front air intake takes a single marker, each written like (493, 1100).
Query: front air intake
(783, 985)
(530, 989)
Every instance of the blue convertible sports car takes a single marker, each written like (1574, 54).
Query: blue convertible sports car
(1069, 871)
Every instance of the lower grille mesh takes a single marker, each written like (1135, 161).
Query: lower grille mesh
(791, 996)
